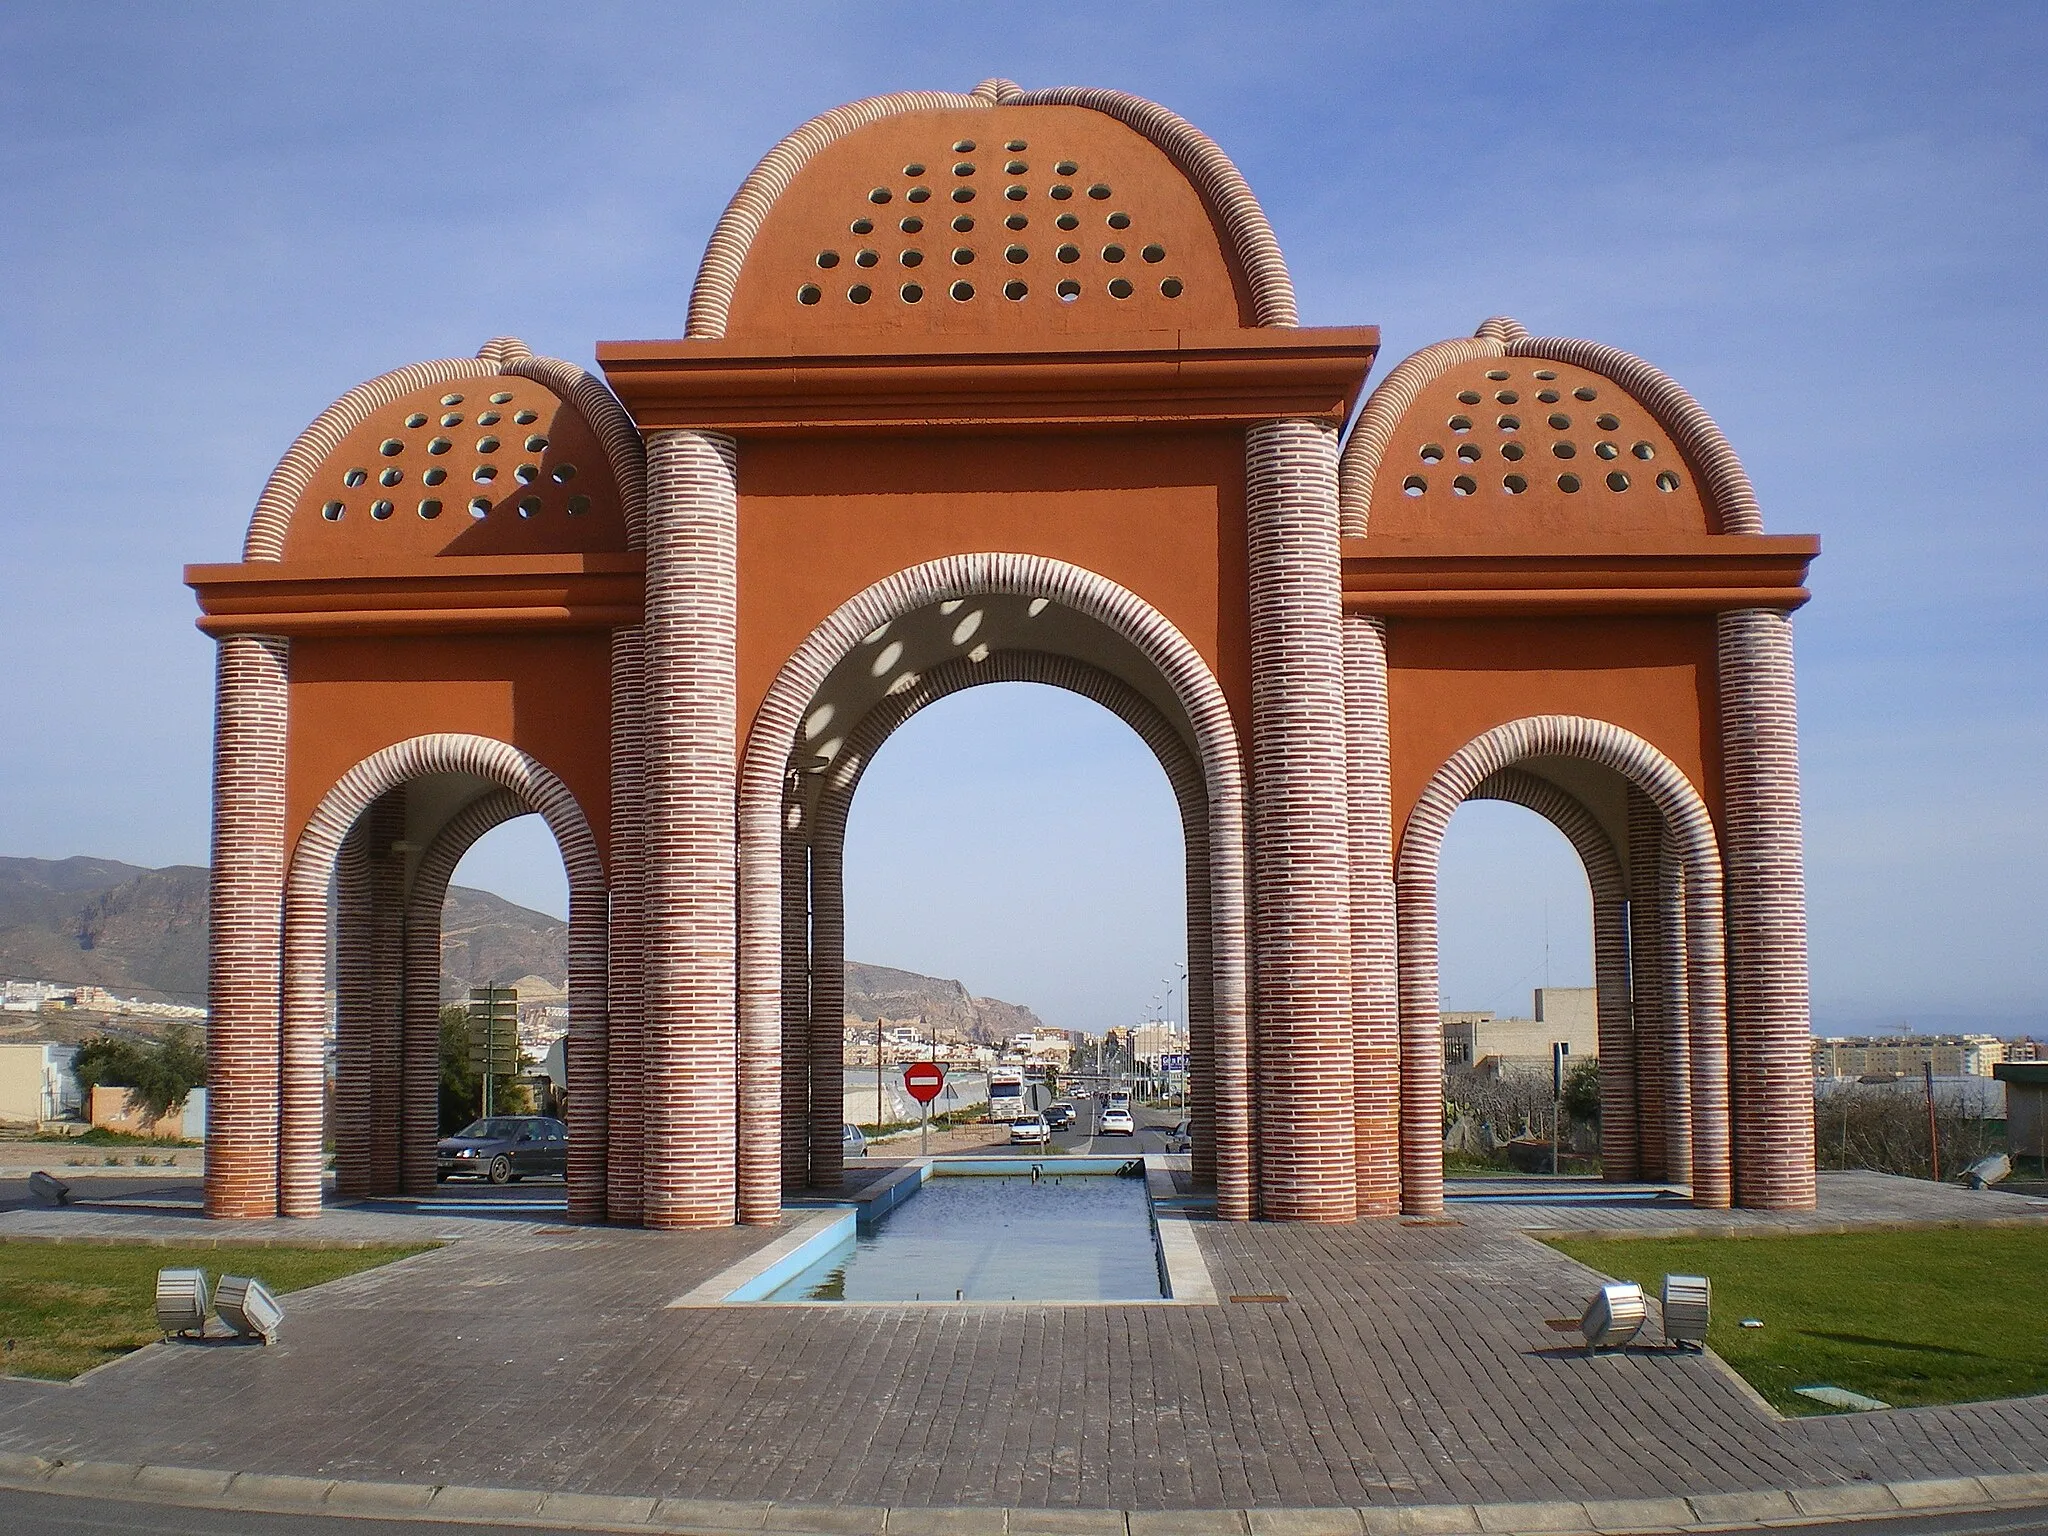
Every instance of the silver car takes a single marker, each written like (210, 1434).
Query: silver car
(851, 1142)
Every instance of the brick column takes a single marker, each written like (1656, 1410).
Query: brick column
(354, 987)
(1303, 1070)
(1616, 1035)
(797, 1067)
(689, 903)
(419, 1112)
(387, 988)
(1647, 1004)
(624, 1148)
(827, 998)
(1671, 987)
(1375, 1001)
(1770, 1026)
(245, 900)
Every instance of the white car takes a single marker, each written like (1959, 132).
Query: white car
(1117, 1122)
(1032, 1128)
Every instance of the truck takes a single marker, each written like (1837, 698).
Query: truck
(1006, 1094)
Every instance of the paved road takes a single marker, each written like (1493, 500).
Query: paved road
(68, 1514)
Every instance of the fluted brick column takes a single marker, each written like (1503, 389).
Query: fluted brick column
(354, 1003)
(1648, 1004)
(625, 1148)
(1300, 832)
(387, 988)
(1375, 1001)
(797, 1071)
(692, 1118)
(1769, 1023)
(826, 998)
(1671, 955)
(245, 900)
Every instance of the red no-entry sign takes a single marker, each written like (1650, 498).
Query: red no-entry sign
(922, 1080)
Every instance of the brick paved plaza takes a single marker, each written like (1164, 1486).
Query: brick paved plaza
(1410, 1364)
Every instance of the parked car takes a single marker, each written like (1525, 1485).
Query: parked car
(1182, 1137)
(1059, 1116)
(1118, 1122)
(852, 1143)
(1031, 1129)
(504, 1149)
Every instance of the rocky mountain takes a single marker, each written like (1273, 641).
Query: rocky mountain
(881, 992)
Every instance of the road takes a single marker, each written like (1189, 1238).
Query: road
(1082, 1141)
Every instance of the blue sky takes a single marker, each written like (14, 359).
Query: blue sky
(1827, 220)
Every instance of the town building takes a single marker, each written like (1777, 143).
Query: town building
(1486, 1043)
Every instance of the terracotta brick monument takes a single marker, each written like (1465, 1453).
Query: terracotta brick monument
(1006, 386)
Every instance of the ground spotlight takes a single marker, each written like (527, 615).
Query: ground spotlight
(1614, 1316)
(48, 1188)
(181, 1301)
(1688, 1300)
(247, 1306)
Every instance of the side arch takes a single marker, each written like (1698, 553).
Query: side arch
(306, 922)
(765, 760)
(1692, 835)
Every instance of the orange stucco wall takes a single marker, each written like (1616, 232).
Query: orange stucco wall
(548, 695)
(1161, 513)
(1450, 680)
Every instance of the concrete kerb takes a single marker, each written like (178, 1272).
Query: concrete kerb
(458, 1505)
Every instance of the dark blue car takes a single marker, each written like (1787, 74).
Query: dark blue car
(504, 1149)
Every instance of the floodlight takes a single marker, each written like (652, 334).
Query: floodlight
(247, 1306)
(48, 1188)
(181, 1301)
(1615, 1315)
(1688, 1299)
(1987, 1171)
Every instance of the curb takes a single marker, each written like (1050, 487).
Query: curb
(456, 1504)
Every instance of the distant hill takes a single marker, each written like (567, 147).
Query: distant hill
(142, 933)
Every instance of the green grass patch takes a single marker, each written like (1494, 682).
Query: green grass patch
(1944, 1316)
(67, 1307)
(106, 1136)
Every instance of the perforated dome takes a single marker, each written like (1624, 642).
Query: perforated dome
(1007, 221)
(490, 465)
(1526, 445)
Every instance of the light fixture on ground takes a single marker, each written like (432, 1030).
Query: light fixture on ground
(181, 1301)
(247, 1306)
(1688, 1302)
(1615, 1315)
(48, 1188)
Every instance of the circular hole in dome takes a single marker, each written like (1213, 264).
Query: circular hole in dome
(1432, 453)
(879, 195)
(578, 505)
(1112, 253)
(1468, 397)
(1015, 194)
(912, 258)
(1606, 451)
(911, 292)
(964, 147)
(1016, 254)
(860, 293)
(332, 511)
(909, 226)
(484, 474)
(1067, 221)
(526, 474)
(1667, 481)
(430, 508)
(1461, 423)
(536, 444)
(962, 290)
(964, 223)
(1119, 221)
(391, 477)
(1469, 453)
(355, 477)
(1586, 392)
(1068, 253)
(486, 418)
(435, 475)
(964, 168)
(1014, 289)
(525, 418)
(1154, 253)
(502, 397)
(1567, 483)
(963, 194)
(828, 259)
(1069, 290)
(1016, 146)
(1171, 287)
(1547, 396)
(1099, 192)
(563, 474)
(1066, 168)
(1464, 485)
(866, 259)
(416, 419)
(863, 226)
(1017, 221)
(381, 510)
(1120, 288)
(480, 506)
(1508, 423)
(529, 507)
(915, 168)
(1061, 192)
(1512, 451)
(1564, 450)
(963, 255)
(391, 447)
(1015, 168)
(1618, 481)
(1644, 451)
(1559, 422)
(454, 419)
(1546, 373)
(487, 445)
(1514, 485)
(1496, 373)
(451, 399)
(810, 293)
(1607, 423)
(1414, 485)
(918, 195)
(1508, 397)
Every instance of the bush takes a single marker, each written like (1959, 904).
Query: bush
(1882, 1127)
(158, 1076)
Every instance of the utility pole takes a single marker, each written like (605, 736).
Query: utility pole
(1933, 1135)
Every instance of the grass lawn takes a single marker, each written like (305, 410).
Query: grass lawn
(1954, 1315)
(67, 1307)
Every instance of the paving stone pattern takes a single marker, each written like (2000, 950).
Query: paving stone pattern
(1409, 1364)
